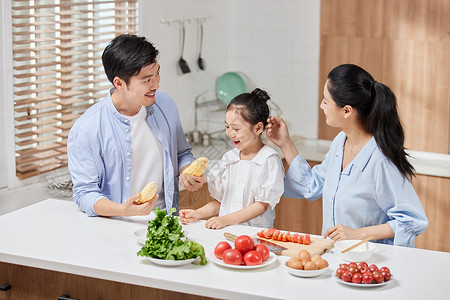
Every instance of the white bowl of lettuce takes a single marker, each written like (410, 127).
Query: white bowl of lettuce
(166, 243)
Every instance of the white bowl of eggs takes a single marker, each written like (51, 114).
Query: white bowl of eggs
(306, 265)
(358, 254)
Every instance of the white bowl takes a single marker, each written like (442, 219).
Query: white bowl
(305, 273)
(358, 254)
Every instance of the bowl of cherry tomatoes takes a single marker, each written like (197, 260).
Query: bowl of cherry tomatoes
(362, 274)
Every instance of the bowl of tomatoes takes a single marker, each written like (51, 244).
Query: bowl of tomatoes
(362, 274)
(244, 255)
(361, 253)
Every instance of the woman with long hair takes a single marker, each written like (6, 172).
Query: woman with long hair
(364, 180)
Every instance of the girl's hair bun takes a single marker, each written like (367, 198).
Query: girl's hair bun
(261, 94)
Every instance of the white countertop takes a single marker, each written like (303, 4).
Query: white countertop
(56, 235)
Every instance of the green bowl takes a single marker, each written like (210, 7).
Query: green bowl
(229, 85)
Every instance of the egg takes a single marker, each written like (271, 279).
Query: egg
(304, 255)
(315, 258)
(321, 263)
(310, 266)
(295, 263)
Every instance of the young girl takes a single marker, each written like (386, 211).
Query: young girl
(364, 179)
(247, 183)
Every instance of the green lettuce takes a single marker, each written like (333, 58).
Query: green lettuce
(164, 239)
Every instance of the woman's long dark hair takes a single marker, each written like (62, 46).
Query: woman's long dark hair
(377, 110)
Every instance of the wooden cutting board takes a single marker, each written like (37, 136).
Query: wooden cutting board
(317, 246)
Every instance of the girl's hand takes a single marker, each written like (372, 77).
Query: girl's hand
(188, 216)
(341, 232)
(277, 131)
(192, 183)
(216, 223)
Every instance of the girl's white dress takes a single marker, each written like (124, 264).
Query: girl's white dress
(238, 183)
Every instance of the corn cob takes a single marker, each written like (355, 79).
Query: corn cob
(147, 193)
(197, 167)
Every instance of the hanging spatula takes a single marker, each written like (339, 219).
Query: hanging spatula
(201, 62)
(182, 63)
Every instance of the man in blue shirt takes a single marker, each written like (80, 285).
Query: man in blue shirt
(130, 138)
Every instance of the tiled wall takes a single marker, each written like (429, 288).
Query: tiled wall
(274, 42)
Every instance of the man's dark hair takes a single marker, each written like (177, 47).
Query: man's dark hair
(126, 55)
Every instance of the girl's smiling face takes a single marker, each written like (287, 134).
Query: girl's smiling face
(245, 136)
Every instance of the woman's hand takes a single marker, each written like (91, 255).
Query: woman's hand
(192, 183)
(277, 131)
(341, 232)
(216, 223)
(189, 215)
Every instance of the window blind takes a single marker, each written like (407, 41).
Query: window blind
(58, 73)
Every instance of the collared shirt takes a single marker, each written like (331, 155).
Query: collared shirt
(100, 153)
(237, 183)
(369, 191)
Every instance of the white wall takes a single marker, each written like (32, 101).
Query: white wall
(274, 42)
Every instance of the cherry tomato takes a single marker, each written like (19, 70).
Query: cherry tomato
(385, 269)
(367, 278)
(263, 250)
(357, 278)
(386, 275)
(344, 266)
(363, 269)
(363, 263)
(232, 257)
(252, 258)
(244, 243)
(373, 268)
(347, 276)
(220, 248)
(353, 264)
(377, 277)
(339, 272)
(353, 269)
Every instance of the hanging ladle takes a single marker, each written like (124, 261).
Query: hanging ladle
(182, 63)
(201, 62)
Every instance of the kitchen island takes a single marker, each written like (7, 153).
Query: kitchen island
(54, 235)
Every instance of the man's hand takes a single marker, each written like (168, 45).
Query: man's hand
(192, 183)
(134, 209)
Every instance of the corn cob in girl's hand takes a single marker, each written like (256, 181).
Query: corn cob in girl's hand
(197, 167)
(147, 194)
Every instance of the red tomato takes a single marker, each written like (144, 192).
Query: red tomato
(339, 272)
(263, 250)
(307, 239)
(295, 237)
(363, 269)
(385, 269)
(252, 258)
(344, 266)
(244, 243)
(300, 239)
(260, 233)
(357, 278)
(373, 268)
(363, 263)
(353, 269)
(220, 248)
(367, 278)
(377, 277)
(232, 257)
(386, 275)
(353, 264)
(285, 236)
(347, 276)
